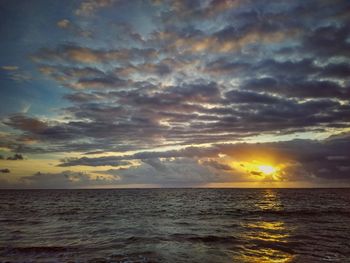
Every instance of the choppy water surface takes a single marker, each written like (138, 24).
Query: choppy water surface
(175, 225)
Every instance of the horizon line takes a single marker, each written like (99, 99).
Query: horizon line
(168, 188)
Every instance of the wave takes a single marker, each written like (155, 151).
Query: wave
(182, 238)
(36, 249)
(204, 239)
(303, 212)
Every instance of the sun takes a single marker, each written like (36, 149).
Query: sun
(261, 170)
(267, 169)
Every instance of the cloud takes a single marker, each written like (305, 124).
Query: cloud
(303, 160)
(15, 157)
(217, 165)
(14, 73)
(65, 179)
(35, 129)
(301, 89)
(110, 160)
(176, 115)
(68, 25)
(180, 172)
(103, 161)
(328, 41)
(26, 123)
(89, 7)
(85, 55)
(250, 97)
(226, 40)
(337, 70)
(9, 68)
(64, 23)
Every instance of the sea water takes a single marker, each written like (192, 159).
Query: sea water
(175, 225)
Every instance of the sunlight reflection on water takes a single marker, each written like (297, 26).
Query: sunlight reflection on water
(266, 240)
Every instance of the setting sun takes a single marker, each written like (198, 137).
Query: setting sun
(267, 169)
(259, 170)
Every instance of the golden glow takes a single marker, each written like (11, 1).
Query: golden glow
(267, 169)
(273, 233)
(260, 170)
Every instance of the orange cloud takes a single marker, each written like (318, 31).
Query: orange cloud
(89, 7)
(9, 68)
(64, 23)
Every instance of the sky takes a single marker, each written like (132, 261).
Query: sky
(170, 93)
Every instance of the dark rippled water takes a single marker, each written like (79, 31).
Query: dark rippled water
(175, 225)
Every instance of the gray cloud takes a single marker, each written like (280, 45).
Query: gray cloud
(15, 157)
(103, 161)
(179, 172)
(66, 179)
(300, 89)
(217, 165)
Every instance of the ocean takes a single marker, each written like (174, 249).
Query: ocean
(175, 225)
